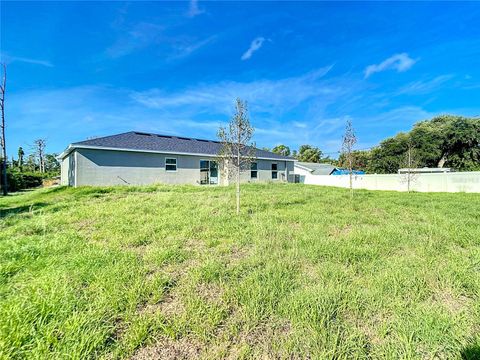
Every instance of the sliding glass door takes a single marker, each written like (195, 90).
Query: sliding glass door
(208, 172)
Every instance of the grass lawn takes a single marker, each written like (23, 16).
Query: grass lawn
(303, 272)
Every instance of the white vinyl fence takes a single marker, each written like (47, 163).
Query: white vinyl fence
(444, 182)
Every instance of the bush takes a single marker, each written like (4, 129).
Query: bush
(23, 180)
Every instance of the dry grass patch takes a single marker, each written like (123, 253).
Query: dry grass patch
(165, 348)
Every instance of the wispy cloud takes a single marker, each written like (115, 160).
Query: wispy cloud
(425, 87)
(143, 35)
(10, 59)
(254, 46)
(194, 9)
(265, 95)
(400, 62)
(138, 37)
(186, 48)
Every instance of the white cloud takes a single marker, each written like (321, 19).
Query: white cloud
(400, 62)
(11, 59)
(424, 87)
(193, 9)
(254, 46)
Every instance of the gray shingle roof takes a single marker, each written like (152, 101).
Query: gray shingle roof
(317, 169)
(135, 140)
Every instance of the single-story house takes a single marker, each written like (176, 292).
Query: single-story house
(139, 158)
(304, 169)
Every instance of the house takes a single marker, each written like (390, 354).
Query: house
(137, 158)
(308, 169)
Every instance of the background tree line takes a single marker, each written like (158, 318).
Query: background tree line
(444, 141)
(29, 170)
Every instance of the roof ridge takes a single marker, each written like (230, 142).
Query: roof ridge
(103, 137)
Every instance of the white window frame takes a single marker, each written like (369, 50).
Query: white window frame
(176, 164)
(274, 171)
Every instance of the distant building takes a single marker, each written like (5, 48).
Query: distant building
(304, 169)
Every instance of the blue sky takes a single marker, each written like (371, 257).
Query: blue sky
(83, 69)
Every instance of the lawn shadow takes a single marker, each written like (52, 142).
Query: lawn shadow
(471, 352)
(21, 209)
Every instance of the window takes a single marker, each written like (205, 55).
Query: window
(170, 164)
(253, 170)
(208, 172)
(274, 171)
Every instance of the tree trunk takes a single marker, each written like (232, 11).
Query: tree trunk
(238, 174)
(351, 175)
(442, 161)
(238, 192)
(4, 145)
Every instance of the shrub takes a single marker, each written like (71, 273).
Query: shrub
(23, 180)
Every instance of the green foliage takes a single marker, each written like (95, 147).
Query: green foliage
(361, 160)
(21, 155)
(51, 164)
(282, 150)
(444, 141)
(115, 271)
(308, 153)
(23, 180)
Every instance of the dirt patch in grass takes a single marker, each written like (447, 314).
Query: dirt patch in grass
(210, 292)
(369, 327)
(234, 337)
(237, 254)
(451, 302)
(340, 231)
(166, 348)
(170, 306)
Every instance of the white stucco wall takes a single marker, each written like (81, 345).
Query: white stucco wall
(444, 182)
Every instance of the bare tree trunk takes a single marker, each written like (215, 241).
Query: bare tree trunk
(442, 161)
(39, 146)
(409, 166)
(350, 168)
(238, 174)
(3, 142)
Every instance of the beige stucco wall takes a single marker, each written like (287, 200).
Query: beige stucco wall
(108, 167)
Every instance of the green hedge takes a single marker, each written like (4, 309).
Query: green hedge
(23, 180)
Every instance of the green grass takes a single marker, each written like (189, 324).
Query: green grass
(303, 272)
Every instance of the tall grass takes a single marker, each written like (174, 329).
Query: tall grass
(166, 272)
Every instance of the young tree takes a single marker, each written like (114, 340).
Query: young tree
(348, 142)
(2, 128)
(39, 147)
(410, 162)
(21, 154)
(237, 153)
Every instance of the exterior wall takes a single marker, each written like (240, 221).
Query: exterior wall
(303, 174)
(107, 167)
(67, 170)
(444, 182)
(264, 171)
